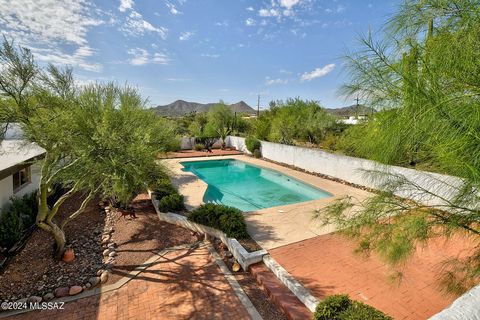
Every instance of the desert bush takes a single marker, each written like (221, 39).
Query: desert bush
(171, 203)
(341, 307)
(252, 144)
(257, 153)
(17, 216)
(199, 147)
(227, 219)
(163, 187)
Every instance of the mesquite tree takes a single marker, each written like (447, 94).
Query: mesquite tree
(425, 70)
(99, 139)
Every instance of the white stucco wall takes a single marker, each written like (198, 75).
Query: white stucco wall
(6, 186)
(352, 169)
(6, 190)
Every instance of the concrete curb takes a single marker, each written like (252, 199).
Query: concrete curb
(302, 293)
(244, 258)
(111, 287)
(467, 306)
(252, 311)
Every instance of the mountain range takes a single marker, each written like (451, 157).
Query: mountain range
(181, 107)
(353, 110)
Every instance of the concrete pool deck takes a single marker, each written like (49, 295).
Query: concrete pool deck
(271, 227)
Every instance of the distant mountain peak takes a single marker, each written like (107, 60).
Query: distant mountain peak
(182, 107)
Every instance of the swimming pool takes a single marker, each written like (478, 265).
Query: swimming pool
(247, 187)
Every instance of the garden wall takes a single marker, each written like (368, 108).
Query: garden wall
(352, 169)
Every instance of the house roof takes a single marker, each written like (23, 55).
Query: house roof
(14, 150)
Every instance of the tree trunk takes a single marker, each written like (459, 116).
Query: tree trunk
(60, 241)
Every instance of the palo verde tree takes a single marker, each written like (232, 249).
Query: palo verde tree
(220, 122)
(98, 139)
(426, 71)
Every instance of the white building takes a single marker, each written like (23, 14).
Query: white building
(353, 119)
(19, 170)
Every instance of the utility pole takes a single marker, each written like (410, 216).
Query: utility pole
(258, 106)
(358, 106)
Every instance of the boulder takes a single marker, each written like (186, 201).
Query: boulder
(112, 254)
(61, 292)
(75, 290)
(104, 277)
(49, 296)
(94, 281)
(34, 299)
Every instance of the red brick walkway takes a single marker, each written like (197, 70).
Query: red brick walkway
(182, 285)
(327, 265)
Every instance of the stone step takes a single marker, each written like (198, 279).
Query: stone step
(279, 293)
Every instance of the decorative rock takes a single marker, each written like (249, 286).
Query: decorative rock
(93, 281)
(61, 292)
(99, 272)
(88, 285)
(236, 267)
(112, 254)
(49, 296)
(112, 245)
(34, 299)
(104, 277)
(228, 254)
(75, 290)
(106, 252)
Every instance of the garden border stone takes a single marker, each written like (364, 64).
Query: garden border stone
(244, 258)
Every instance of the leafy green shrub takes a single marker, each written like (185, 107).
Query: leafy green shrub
(11, 228)
(17, 216)
(257, 153)
(330, 142)
(171, 203)
(199, 147)
(232, 222)
(341, 307)
(252, 144)
(164, 187)
(227, 219)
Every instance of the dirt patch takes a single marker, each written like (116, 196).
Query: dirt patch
(137, 239)
(34, 271)
(249, 244)
(267, 309)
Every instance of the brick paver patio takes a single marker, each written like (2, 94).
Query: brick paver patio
(183, 284)
(327, 265)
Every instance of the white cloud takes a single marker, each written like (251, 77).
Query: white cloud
(186, 35)
(268, 13)
(173, 10)
(269, 81)
(135, 25)
(318, 72)
(250, 9)
(288, 3)
(177, 79)
(209, 55)
(77, 59)
(56, 31)
(141, 57)
(250, 22)
(126, 5)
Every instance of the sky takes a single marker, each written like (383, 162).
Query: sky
(200, 50)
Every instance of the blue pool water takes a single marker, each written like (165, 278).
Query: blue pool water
(246, 187)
